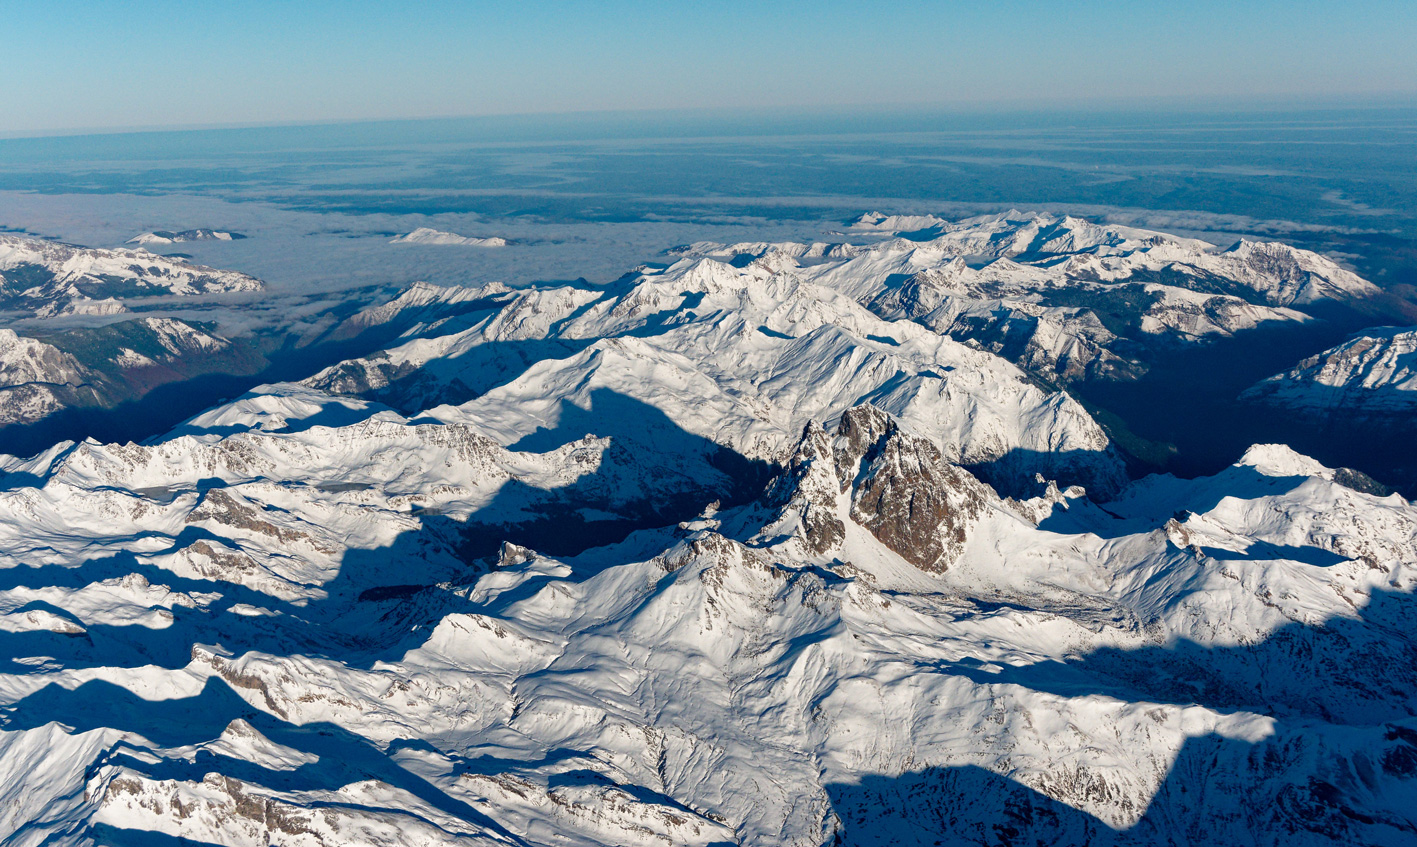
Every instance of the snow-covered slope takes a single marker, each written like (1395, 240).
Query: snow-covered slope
(48, 278)
(1063, 297)
(421, 304)
(107, 365)
(428, 235)
(708, 556)
(266, 629)
(1269, 272)
(39, 379)
(163, 236)
(1372, 373)
(743, 357)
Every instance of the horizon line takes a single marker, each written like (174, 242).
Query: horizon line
(1178, 105)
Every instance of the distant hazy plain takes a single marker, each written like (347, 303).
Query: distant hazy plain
(593, 195)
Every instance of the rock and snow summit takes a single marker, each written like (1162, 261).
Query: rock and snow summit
(747, 549)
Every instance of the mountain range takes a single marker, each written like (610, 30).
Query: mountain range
(768, 544)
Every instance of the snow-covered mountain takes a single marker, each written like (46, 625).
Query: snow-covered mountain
(428, 235)
(1374, 373)
(289, 623)
(163, 236)
(744, 357)
(108, 365)
(46, 278)
(1065, 298)
(725, 552)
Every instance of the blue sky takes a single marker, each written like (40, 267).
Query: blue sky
(71, 65)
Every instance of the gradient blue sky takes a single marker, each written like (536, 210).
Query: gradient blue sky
(66, 66)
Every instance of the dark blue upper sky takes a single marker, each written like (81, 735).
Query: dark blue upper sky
(91, 65)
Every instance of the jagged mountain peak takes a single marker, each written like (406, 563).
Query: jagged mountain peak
(895, 485)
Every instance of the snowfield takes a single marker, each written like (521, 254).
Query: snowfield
(428, 235)
(726, 552)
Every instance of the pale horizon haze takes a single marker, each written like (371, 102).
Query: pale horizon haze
(73, 67)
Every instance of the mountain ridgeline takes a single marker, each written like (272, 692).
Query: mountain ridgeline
(768, 544)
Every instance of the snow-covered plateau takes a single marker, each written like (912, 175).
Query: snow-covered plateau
(428, 235)
(742, 549)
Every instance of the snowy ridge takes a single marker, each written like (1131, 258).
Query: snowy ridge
(811, 665)
(1056, 294)
(163, 236)
(1373, 373)
(48, 278)
(420, 298)
(1014, 232)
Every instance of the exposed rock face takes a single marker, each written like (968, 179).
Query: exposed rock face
(904, 492)
(895, 485)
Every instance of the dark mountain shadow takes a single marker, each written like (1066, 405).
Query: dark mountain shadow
(1387, 406)
(455, 380)
(654, 473)
(118, 836)
(1218, 792)
(1189, 397)
(333, 415)
(1351, 671)
(1295, 785)
(964, 805)
(1013, 474)
(1263, 551)
(489, 765)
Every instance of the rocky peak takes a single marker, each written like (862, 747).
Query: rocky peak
(897, 486)
(904, 492)
(807, 488)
